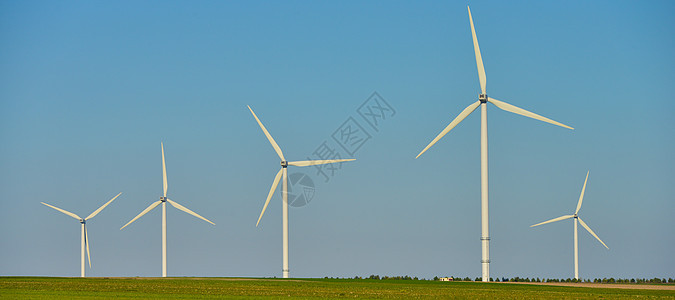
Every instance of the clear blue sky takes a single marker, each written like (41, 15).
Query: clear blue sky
(89, 89)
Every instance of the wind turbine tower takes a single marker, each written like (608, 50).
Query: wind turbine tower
(576, 218)
(483, 99)
(283, 173)
(85, 237)
(163, 200)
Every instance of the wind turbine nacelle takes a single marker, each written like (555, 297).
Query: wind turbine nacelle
(284, 164)
(483, 98)
(163, 199)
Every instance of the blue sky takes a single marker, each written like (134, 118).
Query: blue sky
(88, 90)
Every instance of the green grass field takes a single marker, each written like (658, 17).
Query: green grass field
(207, 288)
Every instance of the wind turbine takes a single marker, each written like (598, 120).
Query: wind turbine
(483, 99)
(85, 236)
(576, 217)
(163, 200)
(284, 193)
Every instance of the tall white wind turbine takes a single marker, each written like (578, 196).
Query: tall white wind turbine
(576, 217)
(483, 99)
(85, 236)
(284, 193)
(163, 200)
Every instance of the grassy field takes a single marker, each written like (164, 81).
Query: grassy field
(207, 288)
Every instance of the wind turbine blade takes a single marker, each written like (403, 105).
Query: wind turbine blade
(553, 220)
(267, 134)
(63, 211)
(86, 242)
(516, 110)
(467, 111)
(479, 58)
(185, 209)
(581, 197)
(166, 185)
(101, 208)
(269, 196)
(591, 231)
(304, 163)
(153, 205)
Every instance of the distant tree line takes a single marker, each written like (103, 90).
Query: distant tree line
(596, 280)
(377, 277)
(518, 279)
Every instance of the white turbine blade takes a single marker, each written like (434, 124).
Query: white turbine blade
(304, 163)
(101, 208)
(153, 205)
(553, 220)
(166, 185)
(467, 111)
(479, 58)
(269, 196)
(63, 211)
(581, 197)
(185, 209)
(516, 110)
(267, 134)
(591, 231)
(86, 242)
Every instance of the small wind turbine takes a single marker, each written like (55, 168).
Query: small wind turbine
(576, 217)
(483, 99)
(85, 236)
(163, 201)
(284, 165)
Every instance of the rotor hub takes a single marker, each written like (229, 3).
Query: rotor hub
(483, 98)
(82, 221)
(163, 199)
(575, 216)
(284, 164)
